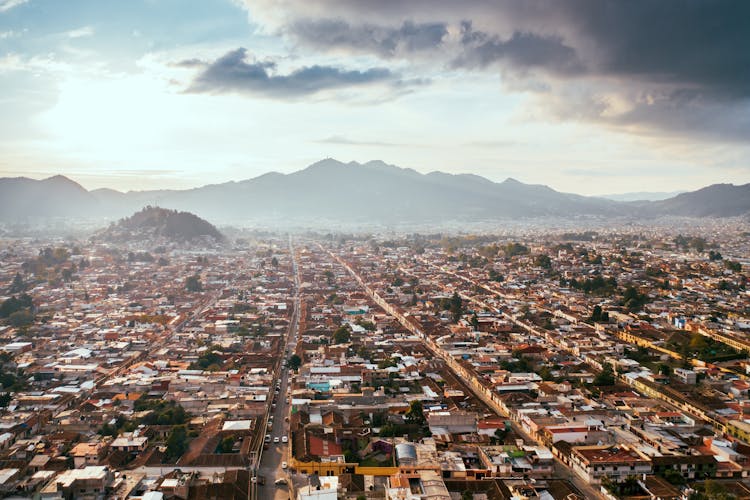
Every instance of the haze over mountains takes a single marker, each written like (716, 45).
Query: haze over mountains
(373, 192)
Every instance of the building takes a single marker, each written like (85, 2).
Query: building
(616, 462)
(320, 488)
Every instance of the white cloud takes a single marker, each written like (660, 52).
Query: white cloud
(81, 32)
(6, 5)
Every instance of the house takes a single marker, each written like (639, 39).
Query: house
(87, 454)
(130, 443)
(616, 462)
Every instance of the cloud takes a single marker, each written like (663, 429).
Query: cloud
(384, 41)
(6, 5)
(521, 51)
(343, 140)
(236, 72)
(81, 32)
(675, 66)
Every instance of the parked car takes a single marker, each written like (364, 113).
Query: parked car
(284, 439)
(283, 465)
(281, 481)
(276, 440)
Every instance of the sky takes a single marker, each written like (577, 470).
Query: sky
(586, 96)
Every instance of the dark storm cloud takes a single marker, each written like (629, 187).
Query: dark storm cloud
(521, 50)
(384, 41)
(699, 42)
(233, 72)
(684, 65)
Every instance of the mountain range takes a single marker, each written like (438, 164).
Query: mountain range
(373, 192)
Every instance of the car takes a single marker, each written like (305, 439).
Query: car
(281, 481)
(267, 438)
(276, 440)
(283, 465)
(284, 439)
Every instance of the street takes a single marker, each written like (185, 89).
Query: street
(272, 458)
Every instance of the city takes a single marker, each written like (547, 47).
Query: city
(355, 366)
(375, 250)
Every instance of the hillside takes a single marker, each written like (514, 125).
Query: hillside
(718, 200)
(154, 223)
(22, 199)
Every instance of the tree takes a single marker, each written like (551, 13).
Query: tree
(698, 342)
(226, 444)
(543, 261)
(415, 414)
(21, 318)
(14, 304)
(17, 286)
(475, 322)
(500, 435)
(341, 335)
(456, 307)
(295, 362)
(733, 266)
(193, 284)
(605, 377)
(176, 443)
(633, 299)
(599, 316)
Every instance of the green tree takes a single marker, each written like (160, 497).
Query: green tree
(415, 413)
(606, 377)
(456, 307)
(295, 362)
(14, 304)
(543, 261)
(599, 316)
(21, 318)
(176, 443)
(18, 285)
(226, 444)
(474, 322)
(633, 299)
(698, 342)
(193, 284)
(341, 335)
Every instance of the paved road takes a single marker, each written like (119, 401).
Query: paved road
(272, 458)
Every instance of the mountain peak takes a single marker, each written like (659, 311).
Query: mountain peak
(61, 180)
